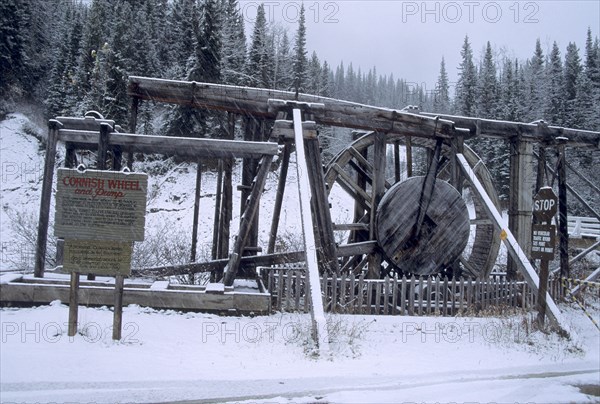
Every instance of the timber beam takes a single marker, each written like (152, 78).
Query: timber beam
(181, 146)
(526, 131)
(267, 103)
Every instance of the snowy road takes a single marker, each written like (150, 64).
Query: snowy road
(542, 387)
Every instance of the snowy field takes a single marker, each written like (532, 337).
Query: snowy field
(173, 356)
(168, 356)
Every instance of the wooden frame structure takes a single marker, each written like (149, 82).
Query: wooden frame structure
(264, 109)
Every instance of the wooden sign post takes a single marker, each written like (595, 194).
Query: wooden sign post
(99, 214)
(543, 241)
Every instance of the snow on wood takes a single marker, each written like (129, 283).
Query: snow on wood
(513, 247)
(319, 324)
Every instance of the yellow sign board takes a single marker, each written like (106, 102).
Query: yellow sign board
(100, 205)
(98, 257)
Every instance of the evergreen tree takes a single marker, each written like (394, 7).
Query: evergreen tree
(536, 91)
(466, 86)
(183, 24)
(441, 102)
(283, 64)
(259, 69)
(572, 71)
(554, 112)
(314, 75)
(300, 64)
(233, 53)
(487, 89)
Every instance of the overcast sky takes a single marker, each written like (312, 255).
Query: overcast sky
(409, 38)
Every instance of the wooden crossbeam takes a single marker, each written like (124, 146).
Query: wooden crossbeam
(182, 146)
(255, 101)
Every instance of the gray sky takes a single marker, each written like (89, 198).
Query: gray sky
(409, 38)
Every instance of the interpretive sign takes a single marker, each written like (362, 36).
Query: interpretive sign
(100, 205)
(543, 241)
(98, 257)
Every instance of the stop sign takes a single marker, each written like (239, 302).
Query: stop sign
(544, 204)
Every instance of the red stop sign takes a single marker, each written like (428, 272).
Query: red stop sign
(545, 204)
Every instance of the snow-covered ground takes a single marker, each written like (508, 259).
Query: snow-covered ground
(171, 356)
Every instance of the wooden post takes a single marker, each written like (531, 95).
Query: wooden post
(522, 181)
(73, 303)
(563, 229)
(397, 173)
(285, 162)
(118, 309)
(409, 159)
(218, 211)
(324, 238)
(70, 161)
(377, 191)
(132, 127)
(42, 236)
(319, 324)
(542, 292)
(196, 210)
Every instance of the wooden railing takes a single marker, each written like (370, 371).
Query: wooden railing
(404, 296)
(584, 227)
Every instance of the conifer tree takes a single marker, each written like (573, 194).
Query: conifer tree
(554, 112)
(300, 64)
(467, 82)
(259, 70)
(441, 103)
(572, 71)
(233, 54)
(487, 89)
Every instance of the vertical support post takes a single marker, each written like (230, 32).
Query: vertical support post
(324, 237)
(285, 162)
(73, 303)
(44, 218)
(409, 157)
(226, 200)
(563, 229)
(218, 211)
(540, 180)
(196, 211)
(118, 309)
(544, 271)
(377, 191)
(132, 127)
(70, 161)
(397, 173)
(520, 197)
(319, 324)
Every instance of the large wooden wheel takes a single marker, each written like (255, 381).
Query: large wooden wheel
(459, 239)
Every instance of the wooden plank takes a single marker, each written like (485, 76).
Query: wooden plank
(44, 216)
(73, 304)
(118, 308)
(196, 210)
(403, 296)
(285, 162)
(352, 295)
(181, 146)
(360, 294)
(411, 296)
